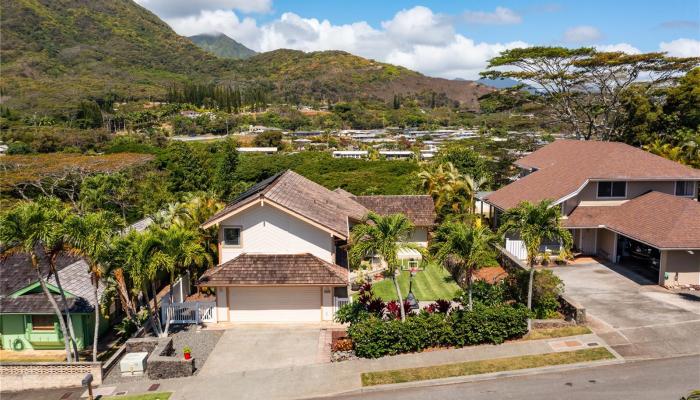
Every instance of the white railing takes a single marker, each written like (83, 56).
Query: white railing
(189, 312)
(339, 302)
(516, 248)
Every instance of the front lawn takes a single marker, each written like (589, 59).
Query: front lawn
(484, 366)
(550, 333)
(432, 283)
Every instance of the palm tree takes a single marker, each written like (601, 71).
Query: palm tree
(535, 223)
(89, 237)
(463, 249)
(384, 236)
(24, 229)
(452, 191)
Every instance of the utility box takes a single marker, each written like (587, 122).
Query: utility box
(133, 364)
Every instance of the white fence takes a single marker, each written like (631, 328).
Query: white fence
(189, 312)
(516, 248)
(339, 302)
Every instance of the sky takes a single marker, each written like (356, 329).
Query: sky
(449, 39)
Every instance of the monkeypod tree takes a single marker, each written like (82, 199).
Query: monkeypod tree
(584, 87)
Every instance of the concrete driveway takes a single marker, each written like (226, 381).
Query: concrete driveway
(638, 318)
(248, 348)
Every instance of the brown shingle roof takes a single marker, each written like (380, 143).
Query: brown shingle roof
(661, 220)
(304, 197)
(564, 166)
(275, 269)
(419, 209)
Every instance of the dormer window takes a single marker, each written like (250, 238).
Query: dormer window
(612, 189)
(685, 188)
(232, 236)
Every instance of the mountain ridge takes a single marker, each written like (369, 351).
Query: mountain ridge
(57, 53)
(222, 45)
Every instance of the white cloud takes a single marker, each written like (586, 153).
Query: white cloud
(501, 16)
(623, 47)
(419, 25)
(582, 34)
(681, 47)
(184, 8)
(243, 30)
(416, 38)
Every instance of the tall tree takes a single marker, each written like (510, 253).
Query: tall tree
(89, 236)
(226, 169)
(463, 249)
(23, 230)
(383, 236)
(534, 223)
(583, 87)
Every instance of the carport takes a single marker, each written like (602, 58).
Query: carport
(656, 234)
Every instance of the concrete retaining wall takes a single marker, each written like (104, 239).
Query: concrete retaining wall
(572, 310)
(28, 376)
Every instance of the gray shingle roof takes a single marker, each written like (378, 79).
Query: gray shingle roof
(420, 209)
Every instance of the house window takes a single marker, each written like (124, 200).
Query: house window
(232, 236)
(612, 189)
(685, 188)
(43, 322)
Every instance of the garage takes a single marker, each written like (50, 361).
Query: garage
(275, 304)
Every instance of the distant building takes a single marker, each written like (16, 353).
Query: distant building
(266, 150)
(350, 154)
(261, 128)
(397, 154)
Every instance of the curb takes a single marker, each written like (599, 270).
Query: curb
(482, 377)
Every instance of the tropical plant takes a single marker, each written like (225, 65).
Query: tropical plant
(535, 223)
(89, 236)
(453, 192)
(382, 236)
(25, 229)
(463, 249)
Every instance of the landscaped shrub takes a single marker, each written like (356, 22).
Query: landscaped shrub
(351, 313)
(374, 337)
(546, 289)
(488, 294)
(486, 324)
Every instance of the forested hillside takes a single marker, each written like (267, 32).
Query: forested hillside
(57, 53)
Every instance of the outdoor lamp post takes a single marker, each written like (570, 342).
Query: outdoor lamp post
(87, 382)
(411, 298)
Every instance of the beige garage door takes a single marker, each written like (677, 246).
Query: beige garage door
(275, 304)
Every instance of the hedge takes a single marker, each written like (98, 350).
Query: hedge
(375, 338)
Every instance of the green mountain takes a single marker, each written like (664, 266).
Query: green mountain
(222, 46)
(56, 53)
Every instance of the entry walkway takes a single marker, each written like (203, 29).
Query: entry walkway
(639, 320)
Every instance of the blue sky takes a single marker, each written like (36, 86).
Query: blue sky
(451, 39)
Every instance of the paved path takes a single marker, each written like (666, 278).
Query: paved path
(667, 379)
(248, 348)
(297, 381)
(638, 320)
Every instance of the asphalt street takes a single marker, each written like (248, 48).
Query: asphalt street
(642, 380)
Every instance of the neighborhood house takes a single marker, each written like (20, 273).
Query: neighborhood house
(621, 204)
(283, 248)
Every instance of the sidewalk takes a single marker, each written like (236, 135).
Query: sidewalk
(333, 378)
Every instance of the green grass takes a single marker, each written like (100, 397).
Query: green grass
(433, 283)
(550, 333)
(484, 367)
(145, 396)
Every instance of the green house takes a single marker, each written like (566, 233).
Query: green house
(27, 320)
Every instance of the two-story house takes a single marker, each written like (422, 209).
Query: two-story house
(283, 248)
(621, 204)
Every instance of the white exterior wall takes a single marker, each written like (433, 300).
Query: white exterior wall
(267, 229)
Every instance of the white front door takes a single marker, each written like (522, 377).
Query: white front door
(275, 304)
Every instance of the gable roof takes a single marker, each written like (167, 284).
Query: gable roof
(275, 269)
(420, 209)
(301, 196)
(564, 166)
(658, 219)
(17, 274)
